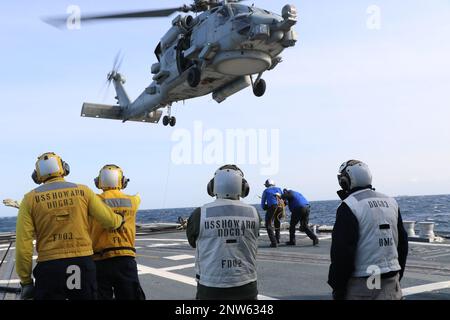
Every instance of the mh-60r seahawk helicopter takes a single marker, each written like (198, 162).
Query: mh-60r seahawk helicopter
(219, 51)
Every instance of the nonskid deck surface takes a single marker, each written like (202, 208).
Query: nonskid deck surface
(166, 268)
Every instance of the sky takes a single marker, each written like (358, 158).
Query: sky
(352, 88)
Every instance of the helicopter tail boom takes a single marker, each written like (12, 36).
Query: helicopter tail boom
(103, 111)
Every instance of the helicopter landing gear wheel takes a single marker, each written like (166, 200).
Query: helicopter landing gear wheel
(193, 77)
(166, 121)
(259, 88)
(173, 121)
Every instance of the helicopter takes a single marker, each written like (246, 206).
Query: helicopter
(223, 49)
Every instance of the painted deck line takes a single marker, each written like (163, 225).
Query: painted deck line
(166, 274)
(4, 249)
(179, 257)
(159, 239)
(11, 281)
(264, 232)
(430, 244)
(179, 267)
(180, 278)
(157, 245)
(426, 288)
(438, 255)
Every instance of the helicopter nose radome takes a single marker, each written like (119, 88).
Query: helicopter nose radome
(240, 63)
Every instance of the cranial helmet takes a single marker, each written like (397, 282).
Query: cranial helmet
(111, 177)
(228, 183)
(269, 183)
(353, 174)
(49, 165)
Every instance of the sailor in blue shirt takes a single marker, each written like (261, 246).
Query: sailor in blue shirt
(300, 209)
(273, 204)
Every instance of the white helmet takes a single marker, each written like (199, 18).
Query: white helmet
(353, 174)
(269, 183)
(228, 183)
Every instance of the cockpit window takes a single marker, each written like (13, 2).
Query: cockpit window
(222, 15)
(262, 11)
(158, 51)
(240, 8)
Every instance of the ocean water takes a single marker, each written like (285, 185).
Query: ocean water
(435, 208)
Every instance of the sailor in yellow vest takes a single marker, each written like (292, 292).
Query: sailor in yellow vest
(56, 214)
(114, 251)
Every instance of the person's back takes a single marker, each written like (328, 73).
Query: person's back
(60, 213)
(273, 204)
(119, 242)
(269, 196)
(300, 210)
(296, 200)
(114, 252)
(57, 215)
(231, 227)
(368, 239)
(377, 216)
(225, 234)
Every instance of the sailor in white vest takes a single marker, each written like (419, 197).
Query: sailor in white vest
(369, 243)
(225, 234)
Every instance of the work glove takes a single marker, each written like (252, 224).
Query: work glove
(120, 213)
(27, 292)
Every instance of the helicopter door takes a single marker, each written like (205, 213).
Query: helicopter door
(183, 44)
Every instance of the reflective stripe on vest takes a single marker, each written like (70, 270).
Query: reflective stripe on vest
(55, 186)
(117, 203)
(227, 244)
(377, 216)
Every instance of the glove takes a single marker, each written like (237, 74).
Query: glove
(265, 207)
(338, 295)
(27, 292)
(122, 214)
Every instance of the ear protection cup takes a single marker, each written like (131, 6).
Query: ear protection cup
(96, 183)
(34, 176)
(66, 168)
(245, 188)
(210, 188)
(344, 182)
(124, 182)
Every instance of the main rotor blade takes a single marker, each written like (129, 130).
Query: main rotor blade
(61, 20)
